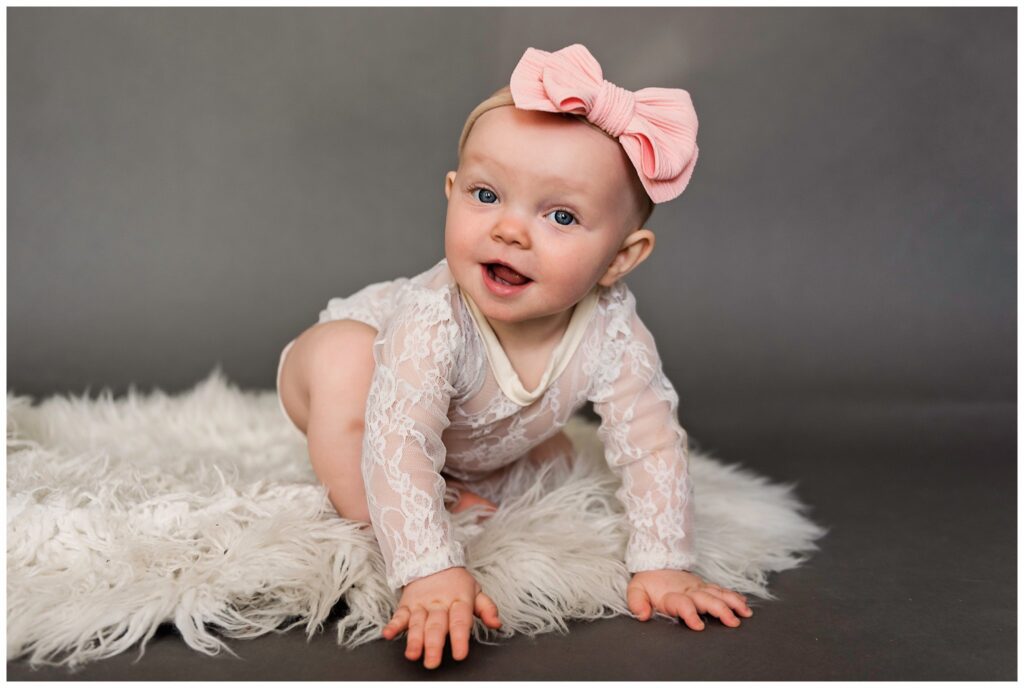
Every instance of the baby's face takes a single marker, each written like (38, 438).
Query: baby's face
(547, 195)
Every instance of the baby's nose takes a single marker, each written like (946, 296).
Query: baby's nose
(512, 229)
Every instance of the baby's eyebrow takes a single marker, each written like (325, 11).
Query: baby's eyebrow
(566, 185)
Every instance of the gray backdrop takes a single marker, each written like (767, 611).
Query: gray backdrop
(188, 187)
(833, 295)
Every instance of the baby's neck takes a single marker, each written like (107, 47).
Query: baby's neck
(538, 332)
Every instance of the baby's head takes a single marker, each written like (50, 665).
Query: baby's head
(549, 194)
(639, 199)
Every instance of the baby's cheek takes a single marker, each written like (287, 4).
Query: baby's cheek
(457, 252)
(577, 277)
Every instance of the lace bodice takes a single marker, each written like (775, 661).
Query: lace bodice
(435, 403)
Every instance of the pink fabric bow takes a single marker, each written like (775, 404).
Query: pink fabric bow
(657, 127)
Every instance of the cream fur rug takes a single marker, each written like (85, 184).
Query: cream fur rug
(201, 510)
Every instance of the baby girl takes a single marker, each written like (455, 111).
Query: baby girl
(417, 389)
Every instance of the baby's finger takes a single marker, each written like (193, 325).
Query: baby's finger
(733, 599)
(460, 620)
(435, 632)
(710, 604)
(414, 640)
(397, 624)
(638, 602)
(484, 607)
(678, 604)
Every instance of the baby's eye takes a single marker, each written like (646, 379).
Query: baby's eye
(490, 196)
(564, 215)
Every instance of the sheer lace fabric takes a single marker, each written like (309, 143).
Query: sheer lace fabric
(434, 405)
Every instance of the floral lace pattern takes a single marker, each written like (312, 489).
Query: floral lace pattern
(434, 404)
(644, 443)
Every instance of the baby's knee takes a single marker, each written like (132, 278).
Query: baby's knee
(339, 372)
(558, 447)
(339, 355)
(330, 364)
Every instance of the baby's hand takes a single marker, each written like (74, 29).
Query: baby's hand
(684, 594)
(435, 606)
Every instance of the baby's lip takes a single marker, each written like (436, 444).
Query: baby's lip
(510, 266)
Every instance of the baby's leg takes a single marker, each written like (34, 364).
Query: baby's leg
(558, 447)
(468, 498)
(325, 381)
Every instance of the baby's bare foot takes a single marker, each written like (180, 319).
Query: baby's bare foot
(468, 499)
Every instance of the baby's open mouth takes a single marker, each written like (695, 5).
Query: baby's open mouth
(506, 275)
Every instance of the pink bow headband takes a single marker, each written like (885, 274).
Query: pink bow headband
(657, 127)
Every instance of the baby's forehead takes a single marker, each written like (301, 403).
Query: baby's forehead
(514, 165)
(540, 142)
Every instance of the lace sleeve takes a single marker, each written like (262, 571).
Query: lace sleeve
(645, 446)
(406, 413)
(371, 305)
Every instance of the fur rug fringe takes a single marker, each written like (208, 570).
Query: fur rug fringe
(201, 510)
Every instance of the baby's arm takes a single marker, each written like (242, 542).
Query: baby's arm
(645, 445)
(406, 413)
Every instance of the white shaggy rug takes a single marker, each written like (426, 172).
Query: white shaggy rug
(201, 510)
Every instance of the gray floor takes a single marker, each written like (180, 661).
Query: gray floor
(915, 581)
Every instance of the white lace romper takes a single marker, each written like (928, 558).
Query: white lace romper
(445, 396)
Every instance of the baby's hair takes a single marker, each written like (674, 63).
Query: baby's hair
(503, 96)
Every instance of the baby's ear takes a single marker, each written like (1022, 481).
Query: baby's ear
(634, 250)
(449, 180)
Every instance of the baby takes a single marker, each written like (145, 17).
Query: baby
(476, 364)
